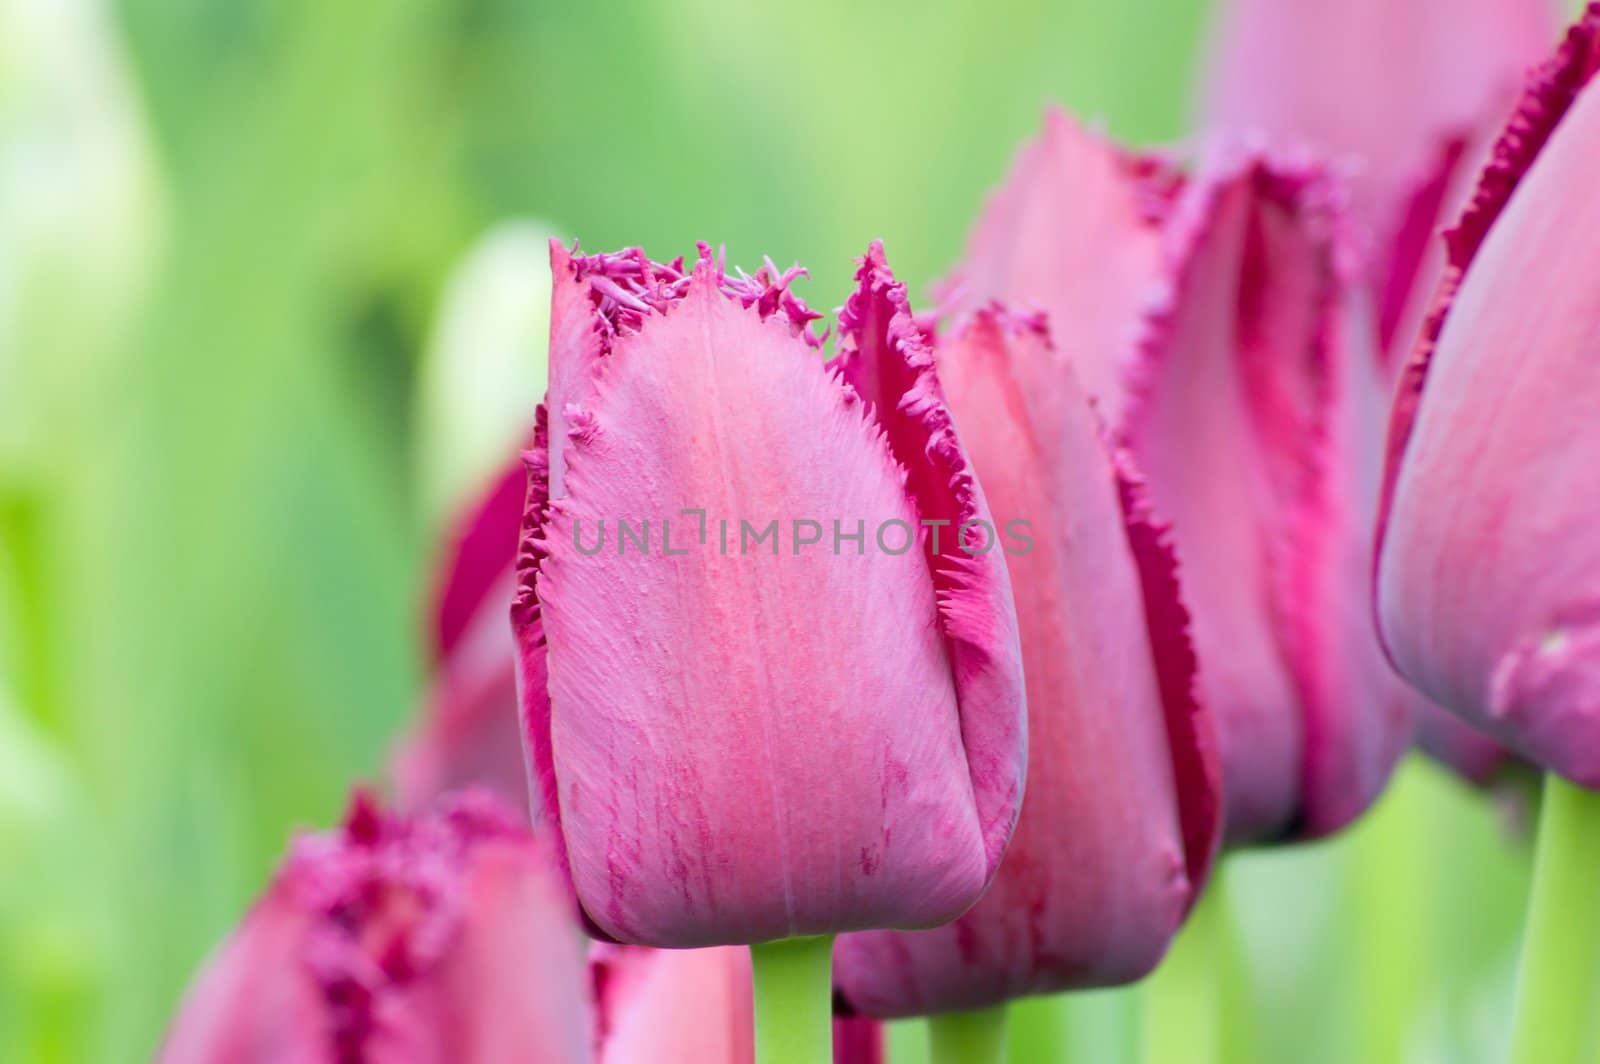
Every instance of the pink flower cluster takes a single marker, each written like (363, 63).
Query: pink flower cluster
(1301, 481)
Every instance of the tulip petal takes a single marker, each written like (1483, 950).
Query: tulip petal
(469, 733)
(511, 990)
(885, 360)
(734, 734)
(1075, 231)
(480, 555)
(527, 625)
(1191, 733)
(1487, 591)
(1223, 421)
(690, 1006)
(1094, 882)
(1551, 92)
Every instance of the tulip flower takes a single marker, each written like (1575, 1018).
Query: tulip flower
(469, 734)
(1219, 344)
(777, 703)
(692, 1007)
(1408, 95)
(1488, 572)
(445, 937)
(1122, 814)
(1254, 418)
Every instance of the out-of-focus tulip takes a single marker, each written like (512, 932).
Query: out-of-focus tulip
(692, 1007)
(468, 733)
(1488, 573)
(1122, 815)
(782, 737)
(1223, 348)
(448, 937)
(1408, 96)
(1399, 92)
(1253, 413)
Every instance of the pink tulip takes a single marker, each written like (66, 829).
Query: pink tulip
(1488, 574)
(1122, 816)
(1400, 92)
(1255, 416)
(448, 937)
(1409, 95)
(468, 734)
(692, 1007)
(747, 743)
(1218, 341)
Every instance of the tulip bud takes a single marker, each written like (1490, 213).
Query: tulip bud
(447, 937)
(1220, 338)
(1121, 819)
(767, 705)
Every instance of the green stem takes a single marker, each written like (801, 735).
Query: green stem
(794, 1000)
(1038, 1027)
(976, 1037)
(1560, 972)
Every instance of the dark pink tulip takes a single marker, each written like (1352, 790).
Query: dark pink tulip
(773, 740)
(692, 1006)
(468, 733)
(1122, 814)
(1398, 92)
(1219, 344)
(1253, 410)
(448, 937)
(1488, 574)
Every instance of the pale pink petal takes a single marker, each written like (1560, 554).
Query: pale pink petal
(1075, 232)
(690, 1006)
(1094, 882)
(1489, 571)
(758, 745)
(510, 990)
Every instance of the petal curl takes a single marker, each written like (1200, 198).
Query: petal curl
(885, 359)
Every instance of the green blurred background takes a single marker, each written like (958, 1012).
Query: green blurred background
(230, 424)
